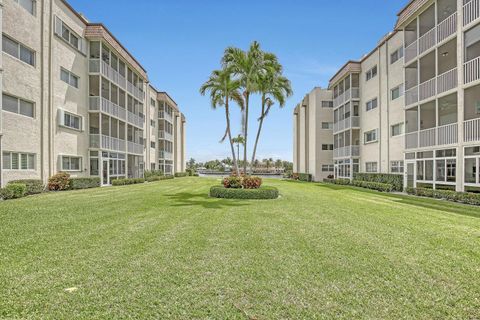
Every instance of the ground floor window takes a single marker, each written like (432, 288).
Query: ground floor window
(328, 168)
(18, 161)
(472, 163)
(439, 166)
(71, 163)
(396, 167)
(371, 167)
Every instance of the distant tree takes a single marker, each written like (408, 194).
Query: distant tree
(278, 163)
(191, 164)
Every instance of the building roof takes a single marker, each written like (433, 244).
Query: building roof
(350, 66)
(409, 10)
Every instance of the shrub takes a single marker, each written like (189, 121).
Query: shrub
(295, 176)
(59, 182)
(34, 186)
(232, 193)
(463, 197)
(158, 178)
(394, 179)
(181, 174)
(152, 173)
(191, 172)
(252, 182)
(305, 177)
(234, 182)
(84, 183)
(343, 182)
(382, 187)
(13, 191)
(123, 182)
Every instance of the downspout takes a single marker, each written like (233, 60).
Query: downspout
(387, 57)
(50, 92)
(380, 110)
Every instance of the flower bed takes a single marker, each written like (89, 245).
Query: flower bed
(237, 193)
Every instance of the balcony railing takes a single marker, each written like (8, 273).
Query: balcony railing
(165, 155)
(411, 96)
(447, 134)
(426, 138)
(437, 136)
(411, 140)
(447, 27)
(135, 91)
(135, 148)
(440, 84)
(427, 41)
(339, 100)
(471, 130)
(100, 66)
(108, 107)
(165, 135)
(426, 89)
(100, 141)
(472, 70)
(471, 12)
(411, 51)
(351, 122)
(352, 93)
(348, 151)
(135, 119)
(165, 116)
(447, 81)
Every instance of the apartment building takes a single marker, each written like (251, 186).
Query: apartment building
(313, 139)
(412, 105)
(75, 100)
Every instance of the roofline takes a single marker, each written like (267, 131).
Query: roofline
(405, 7)
(343, 67)
(381, 43)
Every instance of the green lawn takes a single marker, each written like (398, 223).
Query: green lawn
(165, 249)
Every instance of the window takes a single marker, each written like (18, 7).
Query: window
(70, 163)
(372, 104)
(370, 136)
(371, 167)
(372, 73)
(70, 37)
(152, 144)
(327, 125)
(397, 55)
(397, 129)
(18, 161)
(69, 78)
(29, 5)
(72, 121)
(396, 167)
(328, 168)
(152, 102)
(397, 92)
(16, 105)
(327, 147)
(327, 104)
(152, 123)
(18, 50)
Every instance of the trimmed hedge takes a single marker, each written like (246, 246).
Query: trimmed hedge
(230, 193)
(394, 179)
(382, 187)
(462, 197)
(84, 183)
(151, 173)
(158, 178)
(13, 191)
(343, 182)
(181, 174)
(34, 186)
(305, 177)
(124, 182)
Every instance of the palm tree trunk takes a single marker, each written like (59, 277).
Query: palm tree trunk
(252, 165)
(227, 116)
(245, 133)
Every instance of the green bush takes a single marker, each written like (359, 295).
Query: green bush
(84, 183)
(181, 174)
(34, 186)
(59, 182)
(152, 173)
(463, 197)
(343, 182)
(232, 193)
(394, 179)
(382, 187)
(124, 182)
(158, 178)
(305, 177)
(13, 191)
(233, 182)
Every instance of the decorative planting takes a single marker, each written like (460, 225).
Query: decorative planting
(237, 193)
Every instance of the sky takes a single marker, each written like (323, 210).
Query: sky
(180, 42)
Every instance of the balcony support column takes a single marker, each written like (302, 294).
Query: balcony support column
(461, 101)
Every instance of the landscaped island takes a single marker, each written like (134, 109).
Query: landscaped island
(167, 250)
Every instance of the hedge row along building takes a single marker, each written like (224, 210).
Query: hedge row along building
(411, 106)
(75, 100)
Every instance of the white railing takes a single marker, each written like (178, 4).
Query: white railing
(134, 91)
(108, 107)
(355, 93)
(427, 137)
(165, 155)
(100, 66)
(447, 134)
(427, 89)
(106, 142)
(134, 119)
(135, 148)
(165, 115)
(351, 122)
(411, 140)
(471, 130)
(339, 100)
(447, 27)
(165, 135)
(472, 70)
(447, 81)
(411, 96)
(411, 51)
(348, 151)
(427, 41)
(471, 11)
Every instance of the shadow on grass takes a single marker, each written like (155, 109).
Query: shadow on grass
(428, 203)
(187, 199)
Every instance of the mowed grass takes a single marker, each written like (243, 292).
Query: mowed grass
(166, 250)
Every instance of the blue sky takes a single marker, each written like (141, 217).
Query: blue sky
(180, 42)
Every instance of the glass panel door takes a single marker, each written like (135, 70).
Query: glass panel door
(105, 173)
(410, 175)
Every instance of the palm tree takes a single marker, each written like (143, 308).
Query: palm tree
(224, 89)
(273, 87)
(247, 66)
(238, 140)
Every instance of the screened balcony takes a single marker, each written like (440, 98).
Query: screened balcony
(472, 114)
(472, 55)
(346, 144)
(346, 117)
(106, 133)
(471, 11)
(346, 90)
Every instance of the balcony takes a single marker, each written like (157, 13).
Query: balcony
(471, 130)
(411, 51)
(345, 152)
(165, 116)
(134, 91)
(104, 142)
(100, 66)
(353, 93)
(351, 122)
(165, 155)
(134, 119)
(438, 136)
(165, 135)
(108, 107)
(135, 148)
(438, 85)
(471, 12)
(472, 70)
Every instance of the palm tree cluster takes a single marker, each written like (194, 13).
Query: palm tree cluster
(243, 74)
